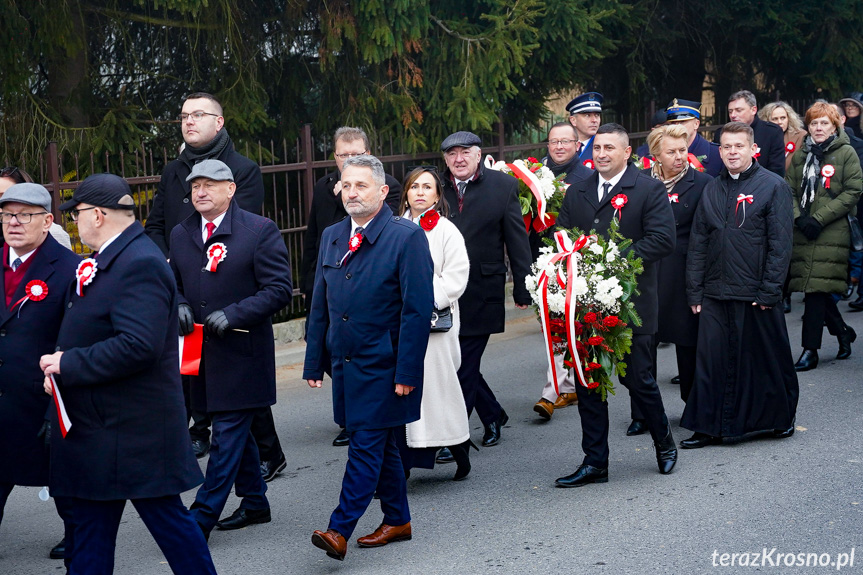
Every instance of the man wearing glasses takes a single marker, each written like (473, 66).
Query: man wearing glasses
(37, 272)
(206, 138)
(327, 209)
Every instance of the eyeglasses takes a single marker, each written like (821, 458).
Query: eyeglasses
(562, 142)
(23, 218)
(73, 214)
(194, 115)
(350, 155)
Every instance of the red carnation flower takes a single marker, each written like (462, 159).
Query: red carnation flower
(593, 365)
(532, 160)
(581, 349)
(595, 340)
(429, 220)
(590, 317)
(556, 339)
(593, 385)
(610, 321)
(578, 328)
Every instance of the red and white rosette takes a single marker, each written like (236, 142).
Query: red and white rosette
(757, 153)
(216, 254)
(742, 199)
(566, 250)
(789, 148)
(827, 172)
(617, 202)
(589, 164)
(673, 199)
(84, 275)
(36, 290)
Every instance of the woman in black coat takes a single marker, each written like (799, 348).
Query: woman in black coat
(684, 184)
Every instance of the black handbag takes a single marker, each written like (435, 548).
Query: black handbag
(441, 319)
(856, 234)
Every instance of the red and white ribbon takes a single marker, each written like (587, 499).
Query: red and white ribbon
(673, 199)
(566, 250)
(84, 275)
(531, 181)
(216, 254)
(742, 199)
(62, 416)
(589, 164)
(617, 202)
(757, 153)
(190, 350)
(827, 171)
(789, 148)
(646, 163)
(694, 162)
(36, 290)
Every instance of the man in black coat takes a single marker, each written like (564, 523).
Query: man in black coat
(233, 273)
(37, 272)
(739, 252)
(206, 137)
(484, 207)
(116, 371)
(648, 221)
(327, 208)
(769, 139)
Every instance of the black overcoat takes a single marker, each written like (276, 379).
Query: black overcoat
(677, 323)
(120, 380)
(25, 337)
(252, 283)
(489, 221)
(646, 219)
(173, 201)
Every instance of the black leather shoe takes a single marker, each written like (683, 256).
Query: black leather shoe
(201, 447)
(699, 440)
(245, 517)
(492, 430)
(786, 304)
(857, 304)
(637, 427)
(59, 550)
(675, 380)
(666, 453)
(444, 456)
(271, 468)
(582, 476)
(342, 439)
(808, 360)
(846, 338)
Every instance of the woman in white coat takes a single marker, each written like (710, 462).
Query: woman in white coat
(443, 421)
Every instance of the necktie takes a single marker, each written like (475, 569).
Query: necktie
(578, 148)
(606, 187)
(358, 231)
(461, 187)
(211, 227)
(16, 263)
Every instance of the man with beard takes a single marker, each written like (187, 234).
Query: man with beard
(206, 138)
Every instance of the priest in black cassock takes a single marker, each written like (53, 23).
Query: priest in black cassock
(739, 252)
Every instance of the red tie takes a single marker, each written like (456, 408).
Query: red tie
(211, 227)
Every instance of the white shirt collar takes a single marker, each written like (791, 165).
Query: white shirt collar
(108, 242)
(613, 181)
(217, 220)
(354, 225)
(13, 255)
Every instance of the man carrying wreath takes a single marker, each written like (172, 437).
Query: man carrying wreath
(640, 205)
(233, 274)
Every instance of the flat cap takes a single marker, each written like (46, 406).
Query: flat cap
(586, 103)
(30, 194)
(682, 110)
(460, 139)
(215, 170)
(102, 190)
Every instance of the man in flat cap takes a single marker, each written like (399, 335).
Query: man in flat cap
(116, 371)
(484, 207)
(233, 273)
(703, 155)
(585, 114)
(37, 272)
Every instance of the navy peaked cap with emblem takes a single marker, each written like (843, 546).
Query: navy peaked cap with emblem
(460, 139)
(681, 110)
(589, 102)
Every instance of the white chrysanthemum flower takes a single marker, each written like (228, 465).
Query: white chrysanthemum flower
(545, 173)
(610, 257)
(557, 302)
(598, 268)
(596, 249)
(579, 286)
(547, 188)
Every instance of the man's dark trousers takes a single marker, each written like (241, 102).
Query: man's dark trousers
(477, 393)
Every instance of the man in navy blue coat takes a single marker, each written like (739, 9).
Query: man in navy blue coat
(37, 272)
(117, 373)
(233, 274)
(371, 311)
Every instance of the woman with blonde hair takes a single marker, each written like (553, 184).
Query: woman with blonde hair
(784, 116)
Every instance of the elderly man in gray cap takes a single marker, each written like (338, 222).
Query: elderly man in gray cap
(484, 206)
(233, 273)
(37, 272)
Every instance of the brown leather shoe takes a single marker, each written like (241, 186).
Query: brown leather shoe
(332, 542)
(544, 408)
(565, 399)
(386, 534)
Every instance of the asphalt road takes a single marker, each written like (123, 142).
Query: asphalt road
(798, 495)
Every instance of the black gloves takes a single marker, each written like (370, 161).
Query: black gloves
(187, 319)
(809, 226)
(217, 323)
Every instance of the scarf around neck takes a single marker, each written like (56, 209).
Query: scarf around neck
(656, 172)
(812, 170)
(191, 155)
